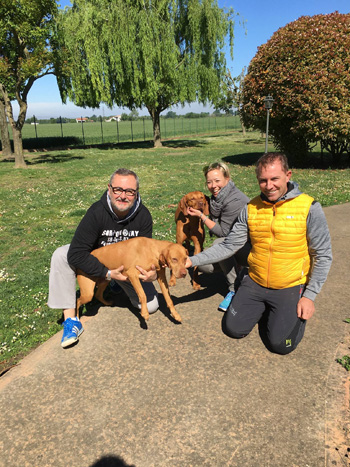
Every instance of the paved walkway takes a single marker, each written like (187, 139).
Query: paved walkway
(185, 395)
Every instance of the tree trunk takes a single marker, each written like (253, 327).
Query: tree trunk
(16, 126)
(18, 148)
(243, 129)
(4, 131)
(155, 114)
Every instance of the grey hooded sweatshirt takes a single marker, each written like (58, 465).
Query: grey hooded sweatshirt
(225, 208)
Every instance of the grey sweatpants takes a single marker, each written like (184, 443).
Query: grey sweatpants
(231, 267)
(62, 285)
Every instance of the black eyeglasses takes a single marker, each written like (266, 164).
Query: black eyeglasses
(117, 190)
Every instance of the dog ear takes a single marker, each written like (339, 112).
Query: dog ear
(182, 205)
(162, 261)
(206, 206)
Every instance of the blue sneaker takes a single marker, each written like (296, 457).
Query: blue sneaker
(226, 301)
(71, 331)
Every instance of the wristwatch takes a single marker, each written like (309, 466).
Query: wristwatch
(109, 275)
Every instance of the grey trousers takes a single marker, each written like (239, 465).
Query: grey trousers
(231, 267)
(62, 285)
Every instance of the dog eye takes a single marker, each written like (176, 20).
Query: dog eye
(174, 260)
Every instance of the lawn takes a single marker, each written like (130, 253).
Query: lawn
(42, 205)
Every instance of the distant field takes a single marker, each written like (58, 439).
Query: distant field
(137, 130)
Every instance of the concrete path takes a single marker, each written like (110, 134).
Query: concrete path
(185, 395)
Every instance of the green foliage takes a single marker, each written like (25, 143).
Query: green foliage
(231, 92)
(145, 54)
(28, 51)
(170, 114)
(24, 29)
(345, 362)
(133, 115)
(305, 67)
(191, 115)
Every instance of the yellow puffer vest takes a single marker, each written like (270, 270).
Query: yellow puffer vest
(279, 257)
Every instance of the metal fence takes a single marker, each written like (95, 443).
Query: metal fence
(86, 132)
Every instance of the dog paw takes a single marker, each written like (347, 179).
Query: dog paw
(196, 286)
(177, 317)
(145, 316)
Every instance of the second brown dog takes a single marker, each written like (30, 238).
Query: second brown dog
(191, 228)
(140, 251)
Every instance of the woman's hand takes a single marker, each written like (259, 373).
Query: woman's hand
(188, 263)
(147, 276)
(194, 212)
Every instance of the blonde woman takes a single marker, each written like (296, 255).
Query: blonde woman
(226, 203)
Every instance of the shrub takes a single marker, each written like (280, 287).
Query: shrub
(305, 66)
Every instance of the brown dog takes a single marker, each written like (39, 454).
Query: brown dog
(138, 251)
(190, 227)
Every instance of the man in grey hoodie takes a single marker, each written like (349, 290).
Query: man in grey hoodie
(288, 264)
(116, 217)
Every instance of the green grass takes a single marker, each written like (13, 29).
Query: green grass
(345, 359)
(41, 206)
(345, 362)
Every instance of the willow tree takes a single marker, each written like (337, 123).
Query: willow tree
(26, 54)
(231, 95)
(153, 54)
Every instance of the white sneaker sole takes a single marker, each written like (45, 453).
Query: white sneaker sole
(72, 340)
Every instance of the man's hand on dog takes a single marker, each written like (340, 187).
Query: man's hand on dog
(147, 276)
(117, 275)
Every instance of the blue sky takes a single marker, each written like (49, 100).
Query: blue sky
(262, 18)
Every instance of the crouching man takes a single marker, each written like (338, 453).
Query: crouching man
(117, 216)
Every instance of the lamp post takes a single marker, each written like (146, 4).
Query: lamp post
(268, 107)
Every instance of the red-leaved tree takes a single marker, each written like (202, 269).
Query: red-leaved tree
(305, 66)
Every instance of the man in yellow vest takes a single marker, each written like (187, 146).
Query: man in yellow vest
(288, 264)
